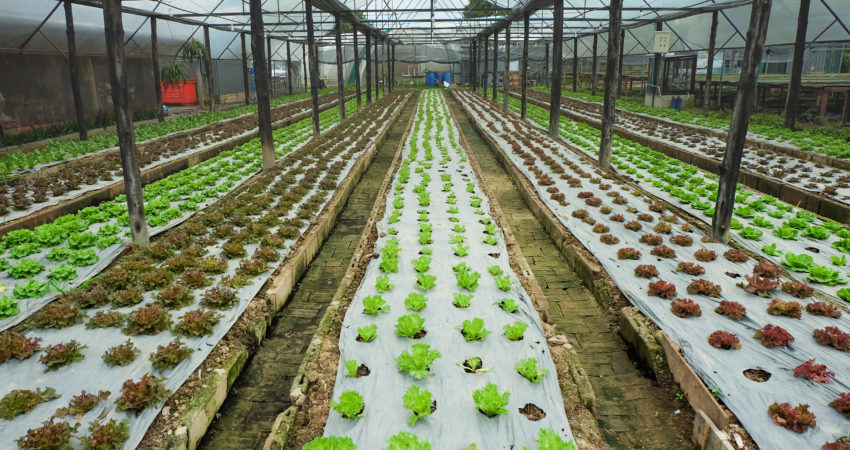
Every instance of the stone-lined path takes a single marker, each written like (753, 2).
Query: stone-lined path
(262, 390)
(633, 411)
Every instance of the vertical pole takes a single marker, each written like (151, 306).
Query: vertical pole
(377, 76)
(594, 71)
(747, 83)
(270, 63)
(656, 67)
(157, 81)
(546, 66)
(473, 65)
(506, 93)
(314, 70)
(575, 64)
(385, 67)
(75, 72)
(210, 76)
(356, 66)
(557, 70)
(495, 64)
(114, 31)
(245, 82)
(368, 67)
(288, 69)
(524, 68)
(261, 81)
(797, 65)
(340, 81)
(712, 37)
(392, 68)
(609, 104)
(620, 63)
(304, 64)
(486, 65)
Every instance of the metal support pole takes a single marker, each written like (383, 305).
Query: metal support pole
(74, 67)
(524, 68)
(797, 65)
(271, 63)
(557, 70)
(575, 64)
(609, 106)
(356, 66)
(484, 87)
(377, 73)
(114, 31)
(620, 63)
(594, 71)
(210, 76)
(314, 69)
(546, 66)
(506, 93)
(304, 64)
(385, 67)
(340, 81)
(288, 69)
(656, 67)
(368, 67)
(712, 37)
(245, 81)
(157, 77)
(495, 64)
(747, 83)
(261, 82)
(392, 68)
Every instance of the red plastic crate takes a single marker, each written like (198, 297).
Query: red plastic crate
(185, 93)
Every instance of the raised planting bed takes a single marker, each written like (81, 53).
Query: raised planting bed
(38, 196)
(685, 283)
(812, 248)
(435, 314)
(813, 182)
(86, 242)
(195, 281)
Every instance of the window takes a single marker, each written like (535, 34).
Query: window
(679, 75)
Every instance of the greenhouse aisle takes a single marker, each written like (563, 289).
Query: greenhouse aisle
(633, 411)
(262, 390)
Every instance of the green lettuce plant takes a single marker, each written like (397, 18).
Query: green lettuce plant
(351, 368)
(771, 250)
(330, 443)
(798, 263)
(415, 301)
(382, 284)
(350, 405)
(819, 233)
(368, 333)
(753, 234)
(549, 440)
(419, 402)
(375, 304)
(508, 305)
(416, 361)
(425, 281)
(514, 331)
(467, 279)
(825, 275)
(504, 283)
(473, 330)
(528, 368)
(422, 263)
(838, 260)
(462, 300)
(409, 325)
(489, 401)
(406, 440)
(842, 245)
(786, 232)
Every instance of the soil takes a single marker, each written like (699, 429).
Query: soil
(758, 375)
(362, 371)
(532, 412)
(468, 368)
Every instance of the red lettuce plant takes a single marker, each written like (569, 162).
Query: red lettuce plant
(774, 336)
(704, 287)
(136, 396)
(767, 270)
(724, 340)
(633, 225)
(628, 253)
(733, 310)
(609, 239)
(16, 345)
(823, 309)
(736, 255)
(797, 419)
(663, 251)
(779, 307)
(759, 285)
(685, 308)
(797, 289)
(646, 271)
(835, 446)
(842, 404)
(683, 240)
(49, 435)
(704, 255)
(662, 289)
(814, 372)
(651, 239)
(833, 337)
(690, 268)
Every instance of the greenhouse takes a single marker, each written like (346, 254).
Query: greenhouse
(477, 224)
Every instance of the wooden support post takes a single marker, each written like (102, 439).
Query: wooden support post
(368, 67)
(495, 63)
(797, 65)
(575, 64)
(486, 83)
(314, 66)
(246, 85)
(506, 93)
(524, 68)
(73, 65)
(157, 77)
(356, 67)
(114, 31)
(473, 65)
(288, 69)
(261, 83)
(594, 71)
(340, 81)
(656, 67)
(546, 66)
(620, 63)
(392, 68)
(208, 63)
(270, 62)
(385, 67)
(304, 72)
(377, 73)
(557, 69)
(612, 69)
(731, 165)
(845, 113)
(712, 37)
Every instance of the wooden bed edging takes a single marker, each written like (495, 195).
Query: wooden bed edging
(150, 175)
(195, 420)
(606, 292)
(802, 198)
(282, 427)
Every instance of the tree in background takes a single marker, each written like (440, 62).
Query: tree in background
(482, 8)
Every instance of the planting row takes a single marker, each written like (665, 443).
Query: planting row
(36, 265)
(803, 174)
(773, 349)
(811, 249)
(830, 140)
(98, 363)
(26, 195)
(440, 332)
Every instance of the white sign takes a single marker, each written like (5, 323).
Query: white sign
(662, 42)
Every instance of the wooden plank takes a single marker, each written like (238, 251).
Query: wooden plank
(264, 116)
